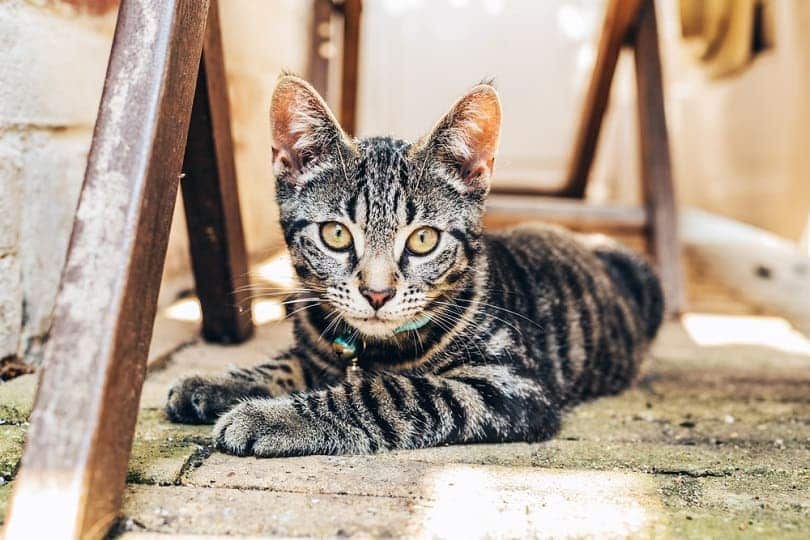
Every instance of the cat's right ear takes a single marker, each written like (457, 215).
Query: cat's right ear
(465, 141)
(304, 129)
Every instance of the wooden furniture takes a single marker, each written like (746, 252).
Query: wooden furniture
(72, 472)
(322, 48)
(165, 105)
(629, 23)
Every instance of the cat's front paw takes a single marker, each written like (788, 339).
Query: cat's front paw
(200, 400)
(269, 428)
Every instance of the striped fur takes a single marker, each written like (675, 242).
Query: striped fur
(523, 324)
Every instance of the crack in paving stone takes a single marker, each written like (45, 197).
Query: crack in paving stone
(194, 461)
(413, 498)
(692, 473)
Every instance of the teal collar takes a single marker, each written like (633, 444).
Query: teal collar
(346, 347)
(415, 324)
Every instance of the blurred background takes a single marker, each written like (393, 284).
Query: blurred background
(737, 83)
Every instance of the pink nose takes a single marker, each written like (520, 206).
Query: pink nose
(377, 299)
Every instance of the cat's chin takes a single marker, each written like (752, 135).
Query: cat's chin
(375, 328)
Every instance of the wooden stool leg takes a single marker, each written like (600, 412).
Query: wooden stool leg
(620, 15)
(656, 170)
(211, 202)
(351, 65)
(78, 443)
(318, 65)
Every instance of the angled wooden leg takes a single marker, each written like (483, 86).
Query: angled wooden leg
(620, 15)
(656, 170)
(211, 202)
(318, 65)
(351, 64)
(78, 443)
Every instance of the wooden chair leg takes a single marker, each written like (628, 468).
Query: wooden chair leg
(656, 170)
(211, 202)
(620, 15)
(351, 65)
(318, 65)
(75, 461)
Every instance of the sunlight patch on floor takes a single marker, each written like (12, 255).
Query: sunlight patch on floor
(187, 309)
(278, 270)
(475, 502)
(717, 330)
(265, 310)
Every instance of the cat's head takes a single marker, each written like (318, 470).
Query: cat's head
(382, 230)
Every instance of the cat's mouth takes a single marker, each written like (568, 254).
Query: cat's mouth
(376, 327)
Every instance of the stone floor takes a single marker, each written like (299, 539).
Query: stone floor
(713, 442)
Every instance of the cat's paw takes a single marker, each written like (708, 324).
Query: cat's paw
(269, 428)
(198, 400)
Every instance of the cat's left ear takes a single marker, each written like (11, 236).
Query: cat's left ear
(305, 132)
(466, 140)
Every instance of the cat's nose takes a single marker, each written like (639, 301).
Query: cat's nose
(377, 299)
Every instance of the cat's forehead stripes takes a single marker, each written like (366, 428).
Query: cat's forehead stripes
(380, 203)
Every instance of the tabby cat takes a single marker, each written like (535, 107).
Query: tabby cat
(415, 328)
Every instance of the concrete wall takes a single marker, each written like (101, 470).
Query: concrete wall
(53, 56)
(52, 67)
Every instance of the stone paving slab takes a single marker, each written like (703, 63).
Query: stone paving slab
(737, 506)
(5, 494)
(168, 335)
(163, 451)
(17, 399)
(715, 441)
(213, 511)
(461, 501)
(671, 459)
(11, 443)
(386, 474)
(199, 357)
(682, 354)
(638, 416)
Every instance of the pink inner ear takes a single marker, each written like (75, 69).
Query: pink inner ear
(301, 124)
(295, 114)
(477, 117)
(474, 170)
(282, 158)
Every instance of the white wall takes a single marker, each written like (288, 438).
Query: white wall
(419, 56)
(52, 64)
(740, 145)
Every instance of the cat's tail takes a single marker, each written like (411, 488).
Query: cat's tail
(637, 279)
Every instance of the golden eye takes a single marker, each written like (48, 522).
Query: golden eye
(422, 241)
(336, 236)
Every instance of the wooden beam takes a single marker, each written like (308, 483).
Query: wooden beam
(74, 465)
(211, 202)
(620, 15)
(656, 169)
(351, 65)
(503, 210)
